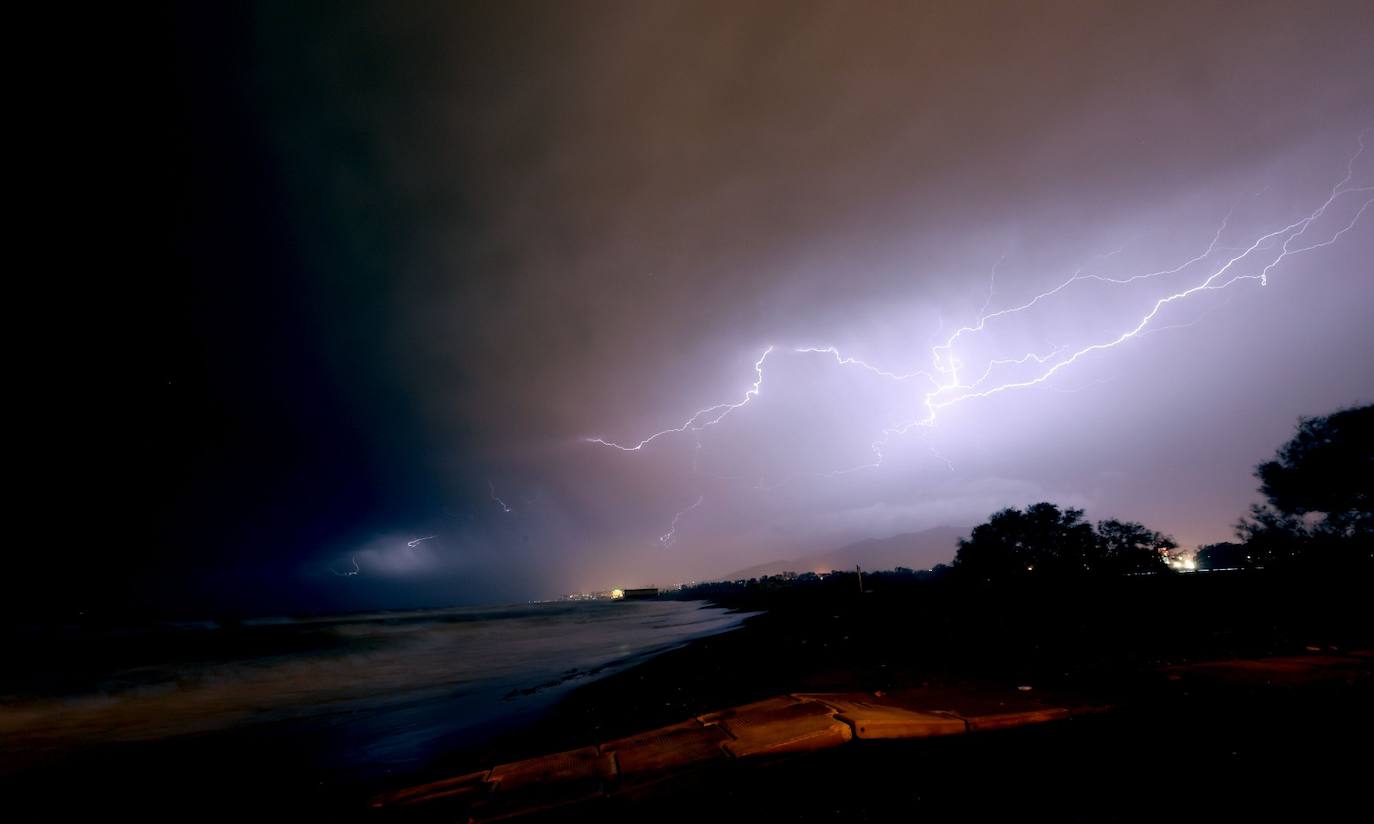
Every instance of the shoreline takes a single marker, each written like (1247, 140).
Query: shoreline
(389, 700)
(1106, 641)
(1113, 640)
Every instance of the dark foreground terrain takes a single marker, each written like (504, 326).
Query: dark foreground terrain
(1211, 718)
(1232, 695)
(1271, 754)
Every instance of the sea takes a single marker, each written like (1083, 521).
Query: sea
(342, 702)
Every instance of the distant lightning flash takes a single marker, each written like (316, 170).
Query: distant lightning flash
(670, 536)
(418, 541)
(944, 385)
(356, 569)
(492, 488)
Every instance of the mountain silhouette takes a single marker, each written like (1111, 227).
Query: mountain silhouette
(917, 550)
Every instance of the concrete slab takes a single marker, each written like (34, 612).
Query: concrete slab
(970, 702)
(1005, 720)
(547, 781)
(777, 702)
(779, 725)
(471, 787)
(572, 765)
(680, 746)
(871, 718)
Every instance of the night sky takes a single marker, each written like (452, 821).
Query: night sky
(420, 253)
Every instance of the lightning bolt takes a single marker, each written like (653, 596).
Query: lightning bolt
(943, 385)
(1222, 278)
(418, 541)
(841, 360)
(702, 418)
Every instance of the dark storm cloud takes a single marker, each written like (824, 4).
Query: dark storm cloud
(519, 225)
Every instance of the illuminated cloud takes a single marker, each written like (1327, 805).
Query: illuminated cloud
(803, 275)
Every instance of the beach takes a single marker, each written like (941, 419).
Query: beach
(312, 713)
(1219, 694)
(1118, 644)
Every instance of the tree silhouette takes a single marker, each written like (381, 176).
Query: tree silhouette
(1319, 493)
(1042, 541)
(1127, 547)
(1224, 555)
